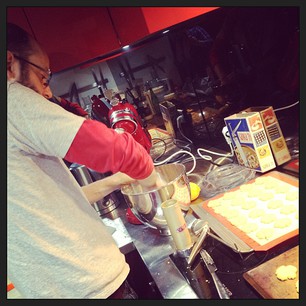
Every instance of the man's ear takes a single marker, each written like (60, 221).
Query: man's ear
(11, 66)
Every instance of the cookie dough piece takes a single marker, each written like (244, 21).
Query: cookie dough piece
(275, 203)
(255, 192)
(269, 184)
(282, 188)
(266, 196)
(249, 227)
(288, 209)
(285, 272)
(256, 213)
(292, 195)
(226, 202)
(231, 213)
(265, 233)
(282, 223)
(249, 204)
(228, 213)
(238, 220)
(268, 218)
(297, 286)
(238, 202)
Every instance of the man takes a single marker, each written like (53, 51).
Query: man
(58, 247)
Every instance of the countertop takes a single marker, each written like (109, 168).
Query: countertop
(159, 255)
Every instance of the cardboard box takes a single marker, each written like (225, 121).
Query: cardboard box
(257, 138)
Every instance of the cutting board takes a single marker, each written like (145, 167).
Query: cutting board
(264, 280)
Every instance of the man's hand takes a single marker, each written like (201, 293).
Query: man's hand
(152, 181)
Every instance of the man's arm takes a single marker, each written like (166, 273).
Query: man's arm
(101, 188)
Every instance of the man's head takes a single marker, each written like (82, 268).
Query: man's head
(27, 62)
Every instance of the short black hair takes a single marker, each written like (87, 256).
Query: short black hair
(18, 41)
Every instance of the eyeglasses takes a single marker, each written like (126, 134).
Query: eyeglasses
(47, 71)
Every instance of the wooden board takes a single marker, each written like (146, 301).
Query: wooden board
(264, 280)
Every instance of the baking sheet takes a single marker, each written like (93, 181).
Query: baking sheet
(251, 238)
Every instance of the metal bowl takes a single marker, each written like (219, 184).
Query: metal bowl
(146, 205)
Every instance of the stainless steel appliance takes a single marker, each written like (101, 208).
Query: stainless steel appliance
(85, 176)
(146, 204)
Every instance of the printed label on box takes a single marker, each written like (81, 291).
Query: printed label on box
(250, 141)
(257, 138)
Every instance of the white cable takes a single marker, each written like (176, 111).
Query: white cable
(178, 123)
(218, 161)
(208, 157)
(176, 153)
(288, 106)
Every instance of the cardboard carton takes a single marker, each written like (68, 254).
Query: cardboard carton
(257, 138)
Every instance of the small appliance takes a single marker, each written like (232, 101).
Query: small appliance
(124, 117)
(85, 176)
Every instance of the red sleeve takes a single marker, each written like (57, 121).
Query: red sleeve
(102, 149)
(73, 107)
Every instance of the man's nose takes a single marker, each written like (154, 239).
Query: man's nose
(47, 93)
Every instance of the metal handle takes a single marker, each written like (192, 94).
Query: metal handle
(220, 287)
(196, 248)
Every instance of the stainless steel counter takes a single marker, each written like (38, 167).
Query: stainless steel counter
(154, 250)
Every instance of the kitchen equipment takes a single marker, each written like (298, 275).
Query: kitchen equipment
(124, 116)
(263, 234)
(212, 270)
(146, 204)
(177, 226)
(197, 246)
(263, 278)
(85, 176)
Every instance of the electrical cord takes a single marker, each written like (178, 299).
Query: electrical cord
(206, 157)
(285, 107)
(214, 163)
(156, 140)
(179, 119)
(187, 150)
(176, 153)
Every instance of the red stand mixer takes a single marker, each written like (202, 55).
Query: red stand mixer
(123, 116)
